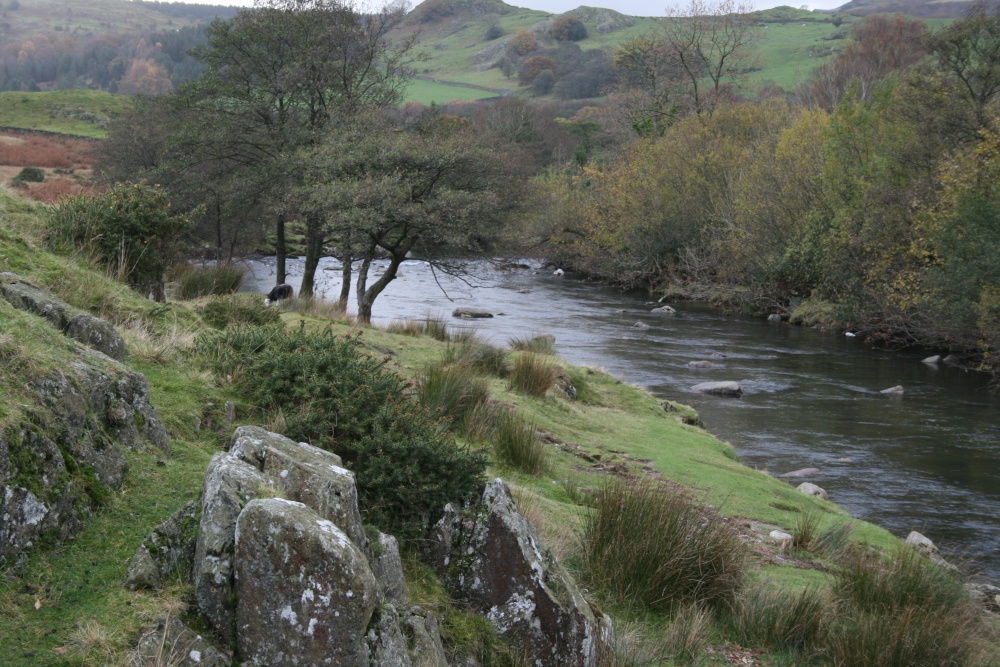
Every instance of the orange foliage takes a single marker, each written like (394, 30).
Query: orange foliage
(32, 150)
(54, 189)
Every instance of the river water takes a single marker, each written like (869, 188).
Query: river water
(927, 461)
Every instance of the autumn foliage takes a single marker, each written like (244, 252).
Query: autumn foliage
(35, 150)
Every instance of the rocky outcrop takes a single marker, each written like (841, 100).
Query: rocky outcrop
(304, 593)
(55, 468)
(173, 643)
(728, 388)
(168, 550)
(493, 562)
(80, 326)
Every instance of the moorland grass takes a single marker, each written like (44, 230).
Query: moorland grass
(536, 344)
(452, 391)
(649, 546)
(516, 443)
(196, 281)
(532, 374)
(776, 619)
(470, 352)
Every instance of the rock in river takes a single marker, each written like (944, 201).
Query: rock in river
(803, 472)
(470, 313)
(812, 490)
(728, 388)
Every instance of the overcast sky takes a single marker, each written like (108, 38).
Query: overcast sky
(630, 7)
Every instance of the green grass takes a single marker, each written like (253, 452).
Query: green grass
(79, 112)
(431, 92)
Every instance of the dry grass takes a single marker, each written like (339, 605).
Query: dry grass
(163, 349)
(94, 643)
(32, 150)
(54, 189)
(316, 307)
(533, 374)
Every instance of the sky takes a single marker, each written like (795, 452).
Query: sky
(630, 7)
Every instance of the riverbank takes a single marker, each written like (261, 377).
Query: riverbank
(67, 604)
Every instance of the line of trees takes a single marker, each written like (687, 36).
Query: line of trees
(873, 190)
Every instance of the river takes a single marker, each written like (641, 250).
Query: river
(926, 461)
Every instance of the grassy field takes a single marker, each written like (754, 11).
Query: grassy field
(67, 606)
(429, 92)
(81, 112)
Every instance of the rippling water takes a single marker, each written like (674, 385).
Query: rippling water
(927, 461)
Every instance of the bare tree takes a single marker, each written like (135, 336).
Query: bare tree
(712, 41)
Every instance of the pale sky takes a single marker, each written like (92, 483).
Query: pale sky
(630, 7)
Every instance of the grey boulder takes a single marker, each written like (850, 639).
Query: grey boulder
(727, 388)
(168, 550)
(472, 313)
(812, 490)
(304, 593)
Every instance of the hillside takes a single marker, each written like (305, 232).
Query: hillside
(924, 9)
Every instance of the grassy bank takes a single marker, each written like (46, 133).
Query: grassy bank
(67, 606)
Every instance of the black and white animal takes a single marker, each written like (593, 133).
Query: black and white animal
(282, 291)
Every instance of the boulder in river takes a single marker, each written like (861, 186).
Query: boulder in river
(726, 388)
(936, 359)
(774, 317)
(470, 313)
(893, 391)
(640, 325)
(812, 490)
(701, 364)
(664, 310)
(803, 472)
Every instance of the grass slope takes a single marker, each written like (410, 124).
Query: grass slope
(67, 606)
(80, 112)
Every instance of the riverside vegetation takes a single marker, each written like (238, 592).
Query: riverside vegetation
(646, 511)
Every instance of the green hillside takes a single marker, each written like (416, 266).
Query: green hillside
(81, 112)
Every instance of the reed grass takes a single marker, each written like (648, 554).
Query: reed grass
(536, 344)
(516, 443)
(197, 281)
(469, 351)
(778, 620)
(452, 390)
(648, 546)
(533, 374)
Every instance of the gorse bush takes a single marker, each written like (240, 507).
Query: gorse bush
(239, 309)
(128, 230)
(28, 175)
(195, 281)
(328, 393)
(650, 547)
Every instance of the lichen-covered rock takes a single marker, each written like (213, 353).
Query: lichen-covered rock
(493, 562)
(57, 467)
(388, 569)
(77, 324)
(306, 474)
(175, 644)
(228, 486)
(428, 649)
(168, 550)
(385, 645)
(811, 489)
(304, 593)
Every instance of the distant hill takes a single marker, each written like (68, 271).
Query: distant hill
(926, 9)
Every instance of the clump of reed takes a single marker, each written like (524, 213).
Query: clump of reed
(453, 391)
(536, 344)
(533, 374)
(467, 350)
(194, 281)
(434, 327)
(649, 546)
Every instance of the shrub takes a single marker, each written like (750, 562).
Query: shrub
(778, 620)
(649, 546)
(28, 175)
(128, 230)
(452, 391)
(239, 309)
(533, 374)
(568, 28)
(406, 463)
(195, 281)
(493, 32)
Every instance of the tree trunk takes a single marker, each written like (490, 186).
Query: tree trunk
(279, 250)
(345, 280)
(314, 251)
(366, 297)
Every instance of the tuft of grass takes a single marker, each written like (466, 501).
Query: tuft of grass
(536, 344)
(434, 327)
(533, 374)
(467, 350)
(902, 611)
(94, 643)
(774, 619)
(649, 546)
(687, 635)
(316, 307)
(453, 391)
(405, 328)
(807, 535)
(516, 443)
(238, 310)
(195, 281)
(144, 343)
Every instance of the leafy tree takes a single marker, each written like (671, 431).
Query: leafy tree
(534, 66)
(652, 81)
(436, 188)
(278, 77)
(968, 51)
(568, 29)
(521, 44)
